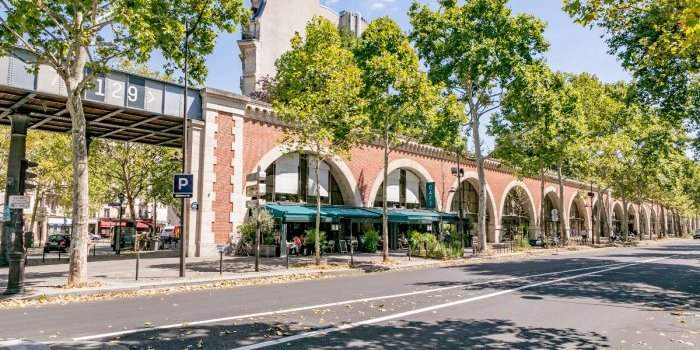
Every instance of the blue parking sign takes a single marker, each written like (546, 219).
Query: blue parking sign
(182, 185)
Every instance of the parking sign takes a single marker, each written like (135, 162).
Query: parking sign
(182, 185)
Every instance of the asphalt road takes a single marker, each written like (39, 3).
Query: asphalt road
(625, 298)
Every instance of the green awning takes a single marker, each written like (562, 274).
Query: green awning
(338, 212)
(329, 213)
(292, 213)
(416, 216)
(332, 213)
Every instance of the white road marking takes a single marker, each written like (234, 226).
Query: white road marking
(338, 303)
(431, 308)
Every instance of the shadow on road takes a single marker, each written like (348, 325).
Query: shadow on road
(666, 284)
(447, 334)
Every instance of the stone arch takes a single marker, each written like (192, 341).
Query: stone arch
(526, 203)
(633, 218)
(577, 206)
(551, 201)
(402, 163)
(339, 169)
(600, 226)
(616, 218)
(493, 225)
(654, 227)
(643, 221)
(531, 200)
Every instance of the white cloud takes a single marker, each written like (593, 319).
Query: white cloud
(380, 4)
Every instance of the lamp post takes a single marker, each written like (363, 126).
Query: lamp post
(591, 194)
(118, 240)
(183, 221)
(459, 172)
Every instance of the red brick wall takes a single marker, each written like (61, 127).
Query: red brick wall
(366, 164)
(222, 206)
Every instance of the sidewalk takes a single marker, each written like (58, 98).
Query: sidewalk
(160, 270)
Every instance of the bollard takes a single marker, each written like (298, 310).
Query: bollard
(94, 249)
(59, 254)
(138, 256)
(43, 256)
(221, 262)
(287, 256)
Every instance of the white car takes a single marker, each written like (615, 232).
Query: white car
(168, 234)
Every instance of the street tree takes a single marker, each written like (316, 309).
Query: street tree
(473, 49)
(597, 106)
(659, 43)
(51, 152)
(525, 127)
(316, 91)
(132, 169)
(402, 104)
(80, 39)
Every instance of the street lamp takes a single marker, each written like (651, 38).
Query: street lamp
(118, 240)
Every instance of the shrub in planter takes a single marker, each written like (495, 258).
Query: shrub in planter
(267, 238)
(427, 245)
(370, 241)
(522, 243)
(267, 224)
(310, 239)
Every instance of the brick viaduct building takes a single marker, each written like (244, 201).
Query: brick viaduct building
(237, 135)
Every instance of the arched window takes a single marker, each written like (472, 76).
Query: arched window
(515, 219)
(552, 216)
(576, 220)
(291, 178)
(617, 220)
(405, 190)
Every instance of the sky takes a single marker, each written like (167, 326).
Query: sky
(573, 48)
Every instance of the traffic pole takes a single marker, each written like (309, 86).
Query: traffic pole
(257, 239)
(183, 221)
(13, 236)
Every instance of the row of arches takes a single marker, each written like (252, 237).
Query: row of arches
(290, 177)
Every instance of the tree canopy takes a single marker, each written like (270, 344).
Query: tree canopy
(659, 43)
(317, 93)
(473, 49)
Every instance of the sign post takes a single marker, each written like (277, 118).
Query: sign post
(19, 202)
(12, 248)
(430, 195)
(220, 248)
(183, 185)
(256, 204)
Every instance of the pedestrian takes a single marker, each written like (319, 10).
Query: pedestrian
(296, 246)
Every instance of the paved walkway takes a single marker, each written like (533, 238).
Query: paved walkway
(107, 272)
(110, 273)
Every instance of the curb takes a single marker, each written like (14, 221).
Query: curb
(302, 276)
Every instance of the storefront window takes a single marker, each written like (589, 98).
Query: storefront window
(515, 220)
(405, 190)
(292, 179)
(576, 220)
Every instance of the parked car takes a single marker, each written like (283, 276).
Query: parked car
(58, 243)
(697, 234)
(127, 235)
(95, 237)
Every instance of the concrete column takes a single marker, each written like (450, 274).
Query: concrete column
(193, 167)
(13, 231)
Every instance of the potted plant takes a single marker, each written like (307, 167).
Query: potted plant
(268, 248)
(370, 241)
(310, 240)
